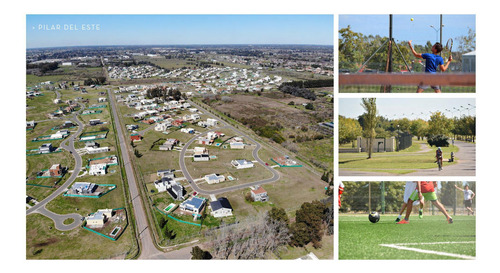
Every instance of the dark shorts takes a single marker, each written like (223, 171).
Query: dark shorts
(468, 203)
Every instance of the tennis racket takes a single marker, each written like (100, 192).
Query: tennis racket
(449, 45)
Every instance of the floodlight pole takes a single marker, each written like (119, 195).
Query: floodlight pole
(390, 47)
(441, 29)
(382, 197)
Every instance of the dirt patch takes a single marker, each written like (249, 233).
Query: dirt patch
(50, 241)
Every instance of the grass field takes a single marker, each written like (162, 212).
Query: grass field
(402, 162)
(428, 238)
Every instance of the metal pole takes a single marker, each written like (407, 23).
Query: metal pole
(369, 197)
(441, 28)
(382, 197)
(390, 47)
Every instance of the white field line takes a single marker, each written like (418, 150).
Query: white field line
(403, 247)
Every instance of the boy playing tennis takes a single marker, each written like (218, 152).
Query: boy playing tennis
(425, 190)
(432, 62)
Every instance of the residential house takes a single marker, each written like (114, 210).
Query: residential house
(212, 122)
(132, 127)
(56, 170)
(30, 124)
(214, 178)
(169, 144)
(221, 208)
(241, 164)
(193, 205)
(187, 130)
(259, 194)
(98, 169)
(99, 218)
(102, 99)
(201, 154)
(135, 137)
(46, 148)
(174, 189)
(84, 188)
(237, 145)
(166, 173)
(94, 122)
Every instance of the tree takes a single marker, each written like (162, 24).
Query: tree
(199, 254)
(370, 121)
(309, 106)
(308, 225)
(439, 124)
(349, 130)
(419, 128)
(278, 214)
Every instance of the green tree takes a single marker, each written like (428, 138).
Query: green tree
(278, 214)
(439, 124)
(199, 254)
(419, 128)
(370, 122)
(349, 130)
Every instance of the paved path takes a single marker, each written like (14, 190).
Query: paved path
(40, 207)
(465, 166)
(255, 154)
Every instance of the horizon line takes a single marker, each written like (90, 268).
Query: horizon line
(152, 45)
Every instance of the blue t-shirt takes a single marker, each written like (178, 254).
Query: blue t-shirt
(432, 62)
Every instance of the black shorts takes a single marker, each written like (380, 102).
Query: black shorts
(468, 203)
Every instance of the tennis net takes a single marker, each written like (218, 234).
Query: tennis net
(407, 82)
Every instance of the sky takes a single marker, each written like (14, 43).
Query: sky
(76, 30)
(403, 29)
(421, 108)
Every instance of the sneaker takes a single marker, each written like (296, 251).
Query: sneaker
(397, 220)
(450, 221)
(404, 222)
(420, 214)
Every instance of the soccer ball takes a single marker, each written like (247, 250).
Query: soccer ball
(374, 217)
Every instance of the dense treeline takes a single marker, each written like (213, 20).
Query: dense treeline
(298, 92)
(165, 93)
(44, 67)
(309, 83)
(95, 81)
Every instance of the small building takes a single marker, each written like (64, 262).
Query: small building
(242, 164)
(94, 122)
(84, 188)
(166, 173)
(169, 144)
(193, 205)
(135, 137)
(102, 99)
(56, 170)
(214, 178)
(97, 169)
(201, 154)
(99, 218)
(221, 208)
(212, 122)
(132, 127)
(259, 194)
(30, 124)
(46, 148)
(237, 145)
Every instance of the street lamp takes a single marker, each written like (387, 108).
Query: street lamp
(437, 30)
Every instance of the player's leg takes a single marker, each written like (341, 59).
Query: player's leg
(443, 210)
(409, 207)
(403, 207)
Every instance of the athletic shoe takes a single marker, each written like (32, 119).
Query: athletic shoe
(404, 222)
(397, 220)
(420, 214)
(450, 221)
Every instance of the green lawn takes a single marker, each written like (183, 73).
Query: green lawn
(402, 162)
(360, 239)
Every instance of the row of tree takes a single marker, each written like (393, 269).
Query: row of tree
(298, 92)
(95, 81)
(438, 124)
(166, 93)
(356, 48)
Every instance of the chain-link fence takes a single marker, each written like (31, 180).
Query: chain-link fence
(387, 197)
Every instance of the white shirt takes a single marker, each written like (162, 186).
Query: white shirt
(467, 194)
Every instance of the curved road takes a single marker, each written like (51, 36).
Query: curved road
(40, 207)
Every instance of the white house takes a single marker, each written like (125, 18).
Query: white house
(237, 145)
(241, 164)
(102, 99)
(212, 122)
(193, 205)
(214, 178)
(97, 169)
(201, 154)
(259, 194)
(221, 208)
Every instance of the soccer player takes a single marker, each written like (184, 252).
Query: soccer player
(432, 62)
(468, 196)
(425, 190)
(341, 190)
(410, 187)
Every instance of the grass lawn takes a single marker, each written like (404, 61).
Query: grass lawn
(323, 253)
(360, 239)
(318, 150)
(44, 241)
(402, 162)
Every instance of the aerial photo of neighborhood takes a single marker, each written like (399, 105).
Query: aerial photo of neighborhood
(183, 144)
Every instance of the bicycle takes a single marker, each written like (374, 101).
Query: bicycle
(440, 163)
